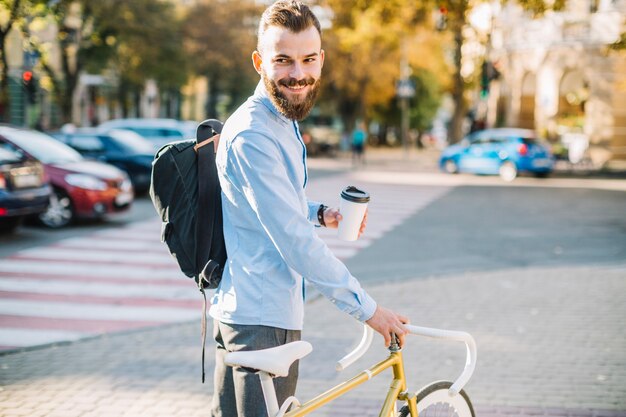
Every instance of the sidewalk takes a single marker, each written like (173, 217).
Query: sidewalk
(550, 342)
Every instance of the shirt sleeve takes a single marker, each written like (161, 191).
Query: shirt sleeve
(313, 208)
(256, 165)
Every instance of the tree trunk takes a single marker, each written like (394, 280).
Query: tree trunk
(455, 132)
(5, 103)
(211, 103)
(71, 81)
(122, 97)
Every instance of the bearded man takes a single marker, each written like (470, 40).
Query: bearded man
(269, 223)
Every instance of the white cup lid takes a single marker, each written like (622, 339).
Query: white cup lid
(351, 193)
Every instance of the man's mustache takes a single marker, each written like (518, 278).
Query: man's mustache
(292, 82)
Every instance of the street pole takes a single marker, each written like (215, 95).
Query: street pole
(404, 108)
(404, 94)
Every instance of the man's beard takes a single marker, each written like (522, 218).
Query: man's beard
(294, 109)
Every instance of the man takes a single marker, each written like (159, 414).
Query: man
(268, 222)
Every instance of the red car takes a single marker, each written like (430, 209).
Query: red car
(81, 188)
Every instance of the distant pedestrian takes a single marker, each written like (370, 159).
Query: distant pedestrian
(359, 136)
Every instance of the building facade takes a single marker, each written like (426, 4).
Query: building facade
(559, 77)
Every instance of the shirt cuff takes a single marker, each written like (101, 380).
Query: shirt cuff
(313, 207)
(367, 310)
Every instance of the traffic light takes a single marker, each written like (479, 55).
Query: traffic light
(484, 80)
(30, 86)
(489, 72)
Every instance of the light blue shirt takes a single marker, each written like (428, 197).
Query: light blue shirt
(269, 226)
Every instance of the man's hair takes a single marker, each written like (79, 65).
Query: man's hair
(290, 14)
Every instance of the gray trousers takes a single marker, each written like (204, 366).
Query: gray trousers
(237, 391)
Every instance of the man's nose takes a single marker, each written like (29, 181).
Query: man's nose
(297, 71)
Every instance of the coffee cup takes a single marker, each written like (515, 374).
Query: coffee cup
(352, 207)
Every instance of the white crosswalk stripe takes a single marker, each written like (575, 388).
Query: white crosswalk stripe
(61, 287)
(125, 278)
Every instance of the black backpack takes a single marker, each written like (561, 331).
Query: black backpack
(185, 191)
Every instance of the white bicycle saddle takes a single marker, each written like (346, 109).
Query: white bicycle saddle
(275, 361)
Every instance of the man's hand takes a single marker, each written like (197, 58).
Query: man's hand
(332, 217)
(386, 322)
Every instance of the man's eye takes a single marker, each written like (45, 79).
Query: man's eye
(309, 60)
(281, 60)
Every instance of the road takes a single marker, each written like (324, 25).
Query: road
(515, 264)
(116, 275)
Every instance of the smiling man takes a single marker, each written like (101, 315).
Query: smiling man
(269, 223)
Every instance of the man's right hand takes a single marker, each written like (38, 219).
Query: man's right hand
(386, 322)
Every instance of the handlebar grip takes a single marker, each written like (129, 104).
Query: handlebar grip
(364, 344)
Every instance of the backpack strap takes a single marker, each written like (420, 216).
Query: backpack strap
(207, 188)
(208, 131)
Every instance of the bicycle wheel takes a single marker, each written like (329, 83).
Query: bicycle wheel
(434, 401)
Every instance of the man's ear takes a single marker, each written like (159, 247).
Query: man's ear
(322, 54)
(257, 61)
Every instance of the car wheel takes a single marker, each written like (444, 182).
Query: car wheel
(59, 212)
(508, 171)
(450, 167)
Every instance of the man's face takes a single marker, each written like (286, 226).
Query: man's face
(290, 65)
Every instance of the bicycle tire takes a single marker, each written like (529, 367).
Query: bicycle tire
(434, 400)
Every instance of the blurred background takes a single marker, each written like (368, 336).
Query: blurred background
(415, 73)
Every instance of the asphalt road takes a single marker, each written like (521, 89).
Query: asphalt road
(477, 228)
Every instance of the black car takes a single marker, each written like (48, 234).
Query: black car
(125, 149)
(24, 189)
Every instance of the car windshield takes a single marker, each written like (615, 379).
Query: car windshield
(530, 141)
(43, 147)
(157, 132)
(8, 155)
(131, 141)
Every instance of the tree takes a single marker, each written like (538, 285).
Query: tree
(364, 48)
(219, 39)
(121, 35)
(9, 11)
(456, 15)
(145, 38)
(422, 107)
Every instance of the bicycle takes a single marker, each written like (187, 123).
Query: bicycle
(436, 399)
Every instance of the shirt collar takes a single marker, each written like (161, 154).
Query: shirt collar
(263, 96)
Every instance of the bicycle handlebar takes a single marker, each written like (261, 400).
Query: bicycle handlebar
(364, 344)
(470, 345)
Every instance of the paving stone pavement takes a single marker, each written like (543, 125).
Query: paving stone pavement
(551, 342)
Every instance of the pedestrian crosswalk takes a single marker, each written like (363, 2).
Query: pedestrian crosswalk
(124, 278)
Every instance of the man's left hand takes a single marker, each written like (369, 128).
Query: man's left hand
(332, 217)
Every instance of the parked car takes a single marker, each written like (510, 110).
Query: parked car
(123, 148)
(24, 188)
(502, 151)
(157, 131)
(80, 188)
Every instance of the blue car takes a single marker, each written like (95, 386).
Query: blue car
(503, 151)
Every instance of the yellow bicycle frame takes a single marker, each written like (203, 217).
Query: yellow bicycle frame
(397, 389)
